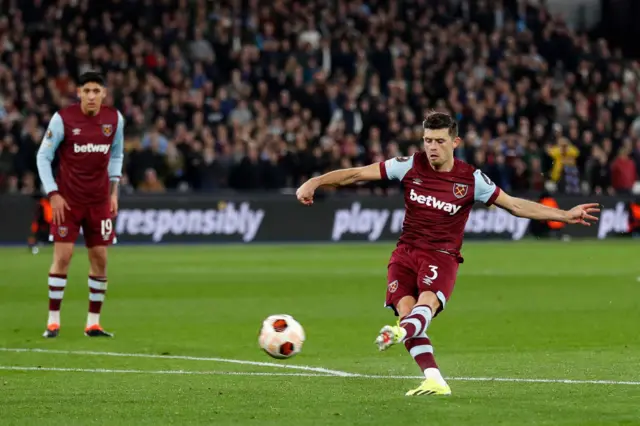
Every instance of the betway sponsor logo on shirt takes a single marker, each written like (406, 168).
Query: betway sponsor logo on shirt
(162, 223)
(91, 147)
(431, 201)
(373, 223)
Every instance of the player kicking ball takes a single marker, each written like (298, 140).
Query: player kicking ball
(88, 140)
(439, 192)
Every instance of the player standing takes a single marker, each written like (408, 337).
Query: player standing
(88, 139)
(439, 192)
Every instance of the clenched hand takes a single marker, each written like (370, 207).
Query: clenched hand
(305, 193)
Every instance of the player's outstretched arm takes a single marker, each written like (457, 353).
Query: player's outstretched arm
(340, 177)
(581, 214)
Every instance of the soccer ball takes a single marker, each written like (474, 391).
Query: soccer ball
(281, 336)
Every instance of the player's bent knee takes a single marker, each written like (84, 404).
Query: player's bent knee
(430, 299)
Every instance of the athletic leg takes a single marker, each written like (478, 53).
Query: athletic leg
(62, 253)
(64, 237)
(97, 284)
(98, 233)
(420, 346)
(401, 296)
(436, 280)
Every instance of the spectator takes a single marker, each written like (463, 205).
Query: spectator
(7, 160)
(125, 186)
(12, 185)
(200, 48)
(623, 172)
(148, 158)
(213, 171)
(536, 177)
(156, 137)
(246, 175)
(273, 173)
(174, 166)
(600, 175)
(28, 184)
(564, 156)
(241, 115)
(151, 183)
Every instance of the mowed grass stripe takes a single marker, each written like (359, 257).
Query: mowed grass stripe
(350, 376)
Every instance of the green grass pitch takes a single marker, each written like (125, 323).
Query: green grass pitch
(527, 310)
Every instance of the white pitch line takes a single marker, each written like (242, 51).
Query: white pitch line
(508, 379)
(565, 381)
(188, 358)
(321, 372)
(166, 372)
(268, 374)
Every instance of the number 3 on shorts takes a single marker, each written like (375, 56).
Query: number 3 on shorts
(428, 279)
(106, 226)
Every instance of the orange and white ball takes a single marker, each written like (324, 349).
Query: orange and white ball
(281, 336)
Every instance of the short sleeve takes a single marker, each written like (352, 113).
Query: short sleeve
(485, 190)
(396, 168)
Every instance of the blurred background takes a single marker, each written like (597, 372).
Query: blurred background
(250, 96)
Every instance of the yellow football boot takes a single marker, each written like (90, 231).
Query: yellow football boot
(430, 387)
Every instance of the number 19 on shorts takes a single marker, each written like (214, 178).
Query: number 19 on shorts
(106, 226)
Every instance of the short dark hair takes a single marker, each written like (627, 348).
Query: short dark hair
(91, 77)
(440, 120)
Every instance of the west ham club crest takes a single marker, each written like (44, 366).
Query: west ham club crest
(63, 231)
(107, 129)
(393, 286)
(460, 190)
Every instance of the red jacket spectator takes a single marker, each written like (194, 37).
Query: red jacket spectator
(623, 172)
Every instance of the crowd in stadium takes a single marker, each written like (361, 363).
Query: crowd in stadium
(213, 101)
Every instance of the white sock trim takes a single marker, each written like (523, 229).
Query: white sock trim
(56, 295)
(422, 310)
(419, 350)
(97, 285)
(425, 313)
(413, 322)
(57, 282)
(96, 297)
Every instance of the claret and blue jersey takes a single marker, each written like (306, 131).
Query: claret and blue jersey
(90, 149)
(437, 203)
